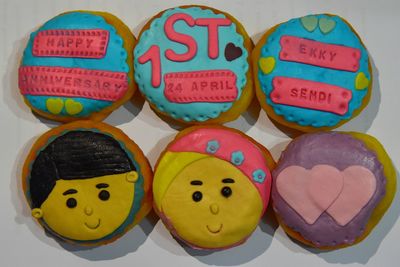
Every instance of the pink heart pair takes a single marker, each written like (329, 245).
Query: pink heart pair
(342, 194)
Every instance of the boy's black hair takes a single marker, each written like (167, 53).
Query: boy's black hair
(76, 155)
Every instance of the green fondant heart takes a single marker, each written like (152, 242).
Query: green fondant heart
(326, 25)
(54, 105)
(72, 107)
(309, 22)
(267, 64)
(362, 81)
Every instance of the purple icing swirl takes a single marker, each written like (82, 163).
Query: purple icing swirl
(341, 151)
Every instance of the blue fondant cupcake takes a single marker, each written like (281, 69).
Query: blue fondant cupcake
(78, 65)
(312, 73)
(192, 65)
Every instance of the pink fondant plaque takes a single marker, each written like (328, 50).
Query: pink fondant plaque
(315, 53)
(72, 82)
(71, 43)
(310, 94)
(201, 86)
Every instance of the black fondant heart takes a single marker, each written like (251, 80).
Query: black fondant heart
(232, 52)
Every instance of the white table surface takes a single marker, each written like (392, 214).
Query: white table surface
(23, 242)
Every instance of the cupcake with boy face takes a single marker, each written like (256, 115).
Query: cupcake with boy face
(87, 183)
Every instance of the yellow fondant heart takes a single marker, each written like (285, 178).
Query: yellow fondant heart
(326, 25)
(72, 107)
(309, 22)
(54, 105)
(267, 64)
(362, 81)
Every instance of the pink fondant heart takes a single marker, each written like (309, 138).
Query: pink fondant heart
(310, 192)
(324, 188)
(359, 187)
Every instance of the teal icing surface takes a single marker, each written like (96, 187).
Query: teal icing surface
(137, 200)
(114, 60)
(340, 35)
(155, 35)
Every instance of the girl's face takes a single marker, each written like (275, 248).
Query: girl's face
(212, 204)
(88, 209)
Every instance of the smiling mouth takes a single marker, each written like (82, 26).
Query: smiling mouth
(93, 226)
(214, 230)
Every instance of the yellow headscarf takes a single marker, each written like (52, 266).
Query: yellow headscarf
(170, 165)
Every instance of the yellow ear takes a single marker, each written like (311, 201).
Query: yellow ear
(37, 213)
(132, 176)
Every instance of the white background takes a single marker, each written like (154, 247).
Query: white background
(23, 242)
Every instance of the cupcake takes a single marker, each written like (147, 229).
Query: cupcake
(211, 186)
(331, 189)
(192, 64)
(312, 73)
(78, 65)
(87, 183)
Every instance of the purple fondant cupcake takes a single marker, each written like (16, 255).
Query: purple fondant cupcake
(330, 189)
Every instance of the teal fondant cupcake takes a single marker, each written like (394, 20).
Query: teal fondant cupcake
(192, 65)
(78, 65)
(312, 73)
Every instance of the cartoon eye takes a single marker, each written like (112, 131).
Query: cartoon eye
(71, 203)
(104, 195)
(197, 196)
(226, 191)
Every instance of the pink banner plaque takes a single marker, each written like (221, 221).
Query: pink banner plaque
(71, 43)
(310, 94)
(72, 82)
(201, 86)
(315, 53)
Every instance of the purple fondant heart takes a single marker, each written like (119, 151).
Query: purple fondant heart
(232, 52)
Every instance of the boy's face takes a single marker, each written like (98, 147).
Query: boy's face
(212, 204)
(88, 209)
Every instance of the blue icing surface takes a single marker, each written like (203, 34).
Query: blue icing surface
(155, 35)
(340, 35)
(114, 60)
